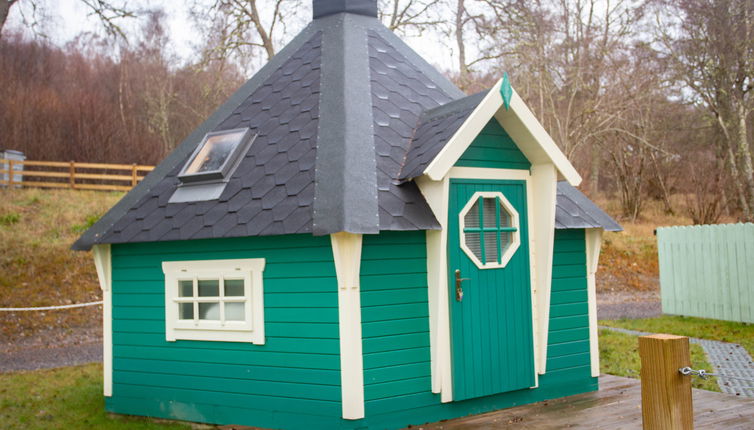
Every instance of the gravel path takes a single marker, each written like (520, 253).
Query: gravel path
(44, 357)
(628, 304)
(729, 359)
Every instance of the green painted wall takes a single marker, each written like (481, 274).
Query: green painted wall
(568, 371)
(493, 148)
(293, 381)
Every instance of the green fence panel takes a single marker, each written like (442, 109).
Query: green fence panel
(708, 271)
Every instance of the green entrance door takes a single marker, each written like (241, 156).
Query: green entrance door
(490, 291)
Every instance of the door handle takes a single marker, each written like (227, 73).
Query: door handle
(459, 286)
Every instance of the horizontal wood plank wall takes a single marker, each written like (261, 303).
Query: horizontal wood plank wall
(569, 370)
(708, 271)
(493, 148)
(292, 381)
(568, 341)
(395, 322)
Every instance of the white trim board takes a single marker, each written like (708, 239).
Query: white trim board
(520, 124)
(593, 246)
(346, 249)
(436, 193)
(103, 264)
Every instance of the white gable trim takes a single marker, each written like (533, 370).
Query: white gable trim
(519, 122)
(346, 248)
(593, 246)
(103, 263)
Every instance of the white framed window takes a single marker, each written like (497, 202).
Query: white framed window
(217, 300)
(489, 228)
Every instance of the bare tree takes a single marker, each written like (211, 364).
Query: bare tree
(409, 16)
(711, 44)
(108, 12)
(246, 25)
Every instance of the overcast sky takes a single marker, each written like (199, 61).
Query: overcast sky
(63, 20)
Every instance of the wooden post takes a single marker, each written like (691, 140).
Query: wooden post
(133, 175)
(10, 173)
(665, 393)
(73, 174)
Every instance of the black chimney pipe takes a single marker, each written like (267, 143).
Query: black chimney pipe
(324, 8)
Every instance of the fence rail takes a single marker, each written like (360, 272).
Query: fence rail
(708, 271)
(79, 176)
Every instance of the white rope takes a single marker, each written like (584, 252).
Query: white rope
(50, 308)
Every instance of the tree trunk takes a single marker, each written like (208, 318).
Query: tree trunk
(594, 173)
(5, 6)
(745, 155)
(740, 190)
(462, 68)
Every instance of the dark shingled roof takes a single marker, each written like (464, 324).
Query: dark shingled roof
(334, 113)
(436, 127)
(575, 210)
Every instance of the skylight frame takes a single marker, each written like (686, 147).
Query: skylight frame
(228, 165)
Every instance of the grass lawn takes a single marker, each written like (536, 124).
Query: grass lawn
(619, 355)
(725, 331)
(65, 398)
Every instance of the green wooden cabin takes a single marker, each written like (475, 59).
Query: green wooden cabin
(350, 242)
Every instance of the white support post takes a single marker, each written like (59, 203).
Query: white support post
(103, 263)
(347, 254)
(544, 184)
(436, 194)
(593, 246)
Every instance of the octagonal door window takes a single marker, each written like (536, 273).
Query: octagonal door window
(489, 230)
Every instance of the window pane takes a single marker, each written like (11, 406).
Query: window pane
(490, 246)
(474, 244)
(185, 288)
(235, 312)
(505, 240)
(209, 311)
(491, 206)
(209, 288)
(471, 219)
(233, 287)
(186, 311)
(214, 152)
(505, 217)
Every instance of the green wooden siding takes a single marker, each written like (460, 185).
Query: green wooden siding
(568, 372)
(568, 338)
(493, 148)
(395, 322)
(291, 381)
(707, 271)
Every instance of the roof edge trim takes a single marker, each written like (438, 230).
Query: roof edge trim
(530, 129)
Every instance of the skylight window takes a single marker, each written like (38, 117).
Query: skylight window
(216, 156)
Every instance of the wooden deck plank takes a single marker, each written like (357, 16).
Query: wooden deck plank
(616, 406)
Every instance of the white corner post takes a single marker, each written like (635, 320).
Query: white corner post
(436, 195)
(544, 179)
(593, 246)
(103, 263)
(346, 249)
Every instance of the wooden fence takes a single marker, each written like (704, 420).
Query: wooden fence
(79, 176)
(708, 271)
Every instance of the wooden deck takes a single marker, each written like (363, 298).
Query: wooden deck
(617, 405)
